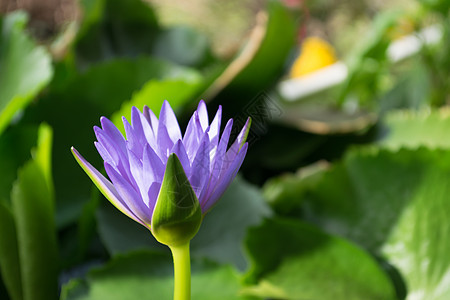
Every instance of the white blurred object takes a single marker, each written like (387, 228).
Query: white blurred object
(314, 82)
(411, 44)
(296, 88)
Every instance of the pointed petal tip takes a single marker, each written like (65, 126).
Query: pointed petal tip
(201, 103)
(165, 105)
(103, 119)
(75, 151)
(248, 122)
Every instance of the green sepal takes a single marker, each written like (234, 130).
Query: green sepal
(177, 215)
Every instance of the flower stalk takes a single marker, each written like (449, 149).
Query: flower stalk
(182, 271)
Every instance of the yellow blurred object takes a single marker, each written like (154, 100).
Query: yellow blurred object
(315, 54)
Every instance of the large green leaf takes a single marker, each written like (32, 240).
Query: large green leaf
(33, 210)
(145, 275)
(396, 204)
(218, 239)
(24, 67)
(15, 145)
(293, 260)
(114, 28)
(413, 129)
(412, 90)
(183, 45)
(9, 254)
(286, 192)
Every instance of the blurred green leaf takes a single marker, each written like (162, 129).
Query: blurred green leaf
(24, 67)
(183, 45)
(396, 205)
(414, 129)
(218, 239)
(293, 260)
(268, 62)
(223, 229)
(261, 61)
(145, 275)
(368, 63)
(9, 253)
(286, 192)
(33, 209)
(115, 28)
(418, 244)
(411, 91)
(15, 145)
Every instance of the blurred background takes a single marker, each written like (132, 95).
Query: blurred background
(344, 190)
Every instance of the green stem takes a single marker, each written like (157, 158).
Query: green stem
(182, 270)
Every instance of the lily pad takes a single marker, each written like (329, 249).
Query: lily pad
(294, 260)
(413, 129)
(145, 275)
(25, 68)
(394, 203)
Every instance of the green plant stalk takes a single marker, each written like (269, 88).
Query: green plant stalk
(182, 270)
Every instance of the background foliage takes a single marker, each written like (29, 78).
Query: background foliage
(343, 195)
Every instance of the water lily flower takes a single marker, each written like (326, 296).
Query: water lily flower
(136, 164)
(164, 180)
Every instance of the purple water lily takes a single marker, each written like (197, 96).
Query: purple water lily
(136, 165)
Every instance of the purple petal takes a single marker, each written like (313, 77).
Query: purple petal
(133, 142)
(119, 158)
(200, 166)
(165, 143)
(192, 136)
(203, 114)
(107, 144)
(111, 130)
(219, 156)
(104, 154)
(180, 152)
(139, 127)
(168, 118)
(214, 130)
(153, 193)
(151, 119)
(103, 184)
(149, 135)
(141, 182)
(153, 167)
(237, 145)
(132, 199)
(224, 181)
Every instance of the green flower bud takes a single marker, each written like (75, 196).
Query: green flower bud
(177, 215)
